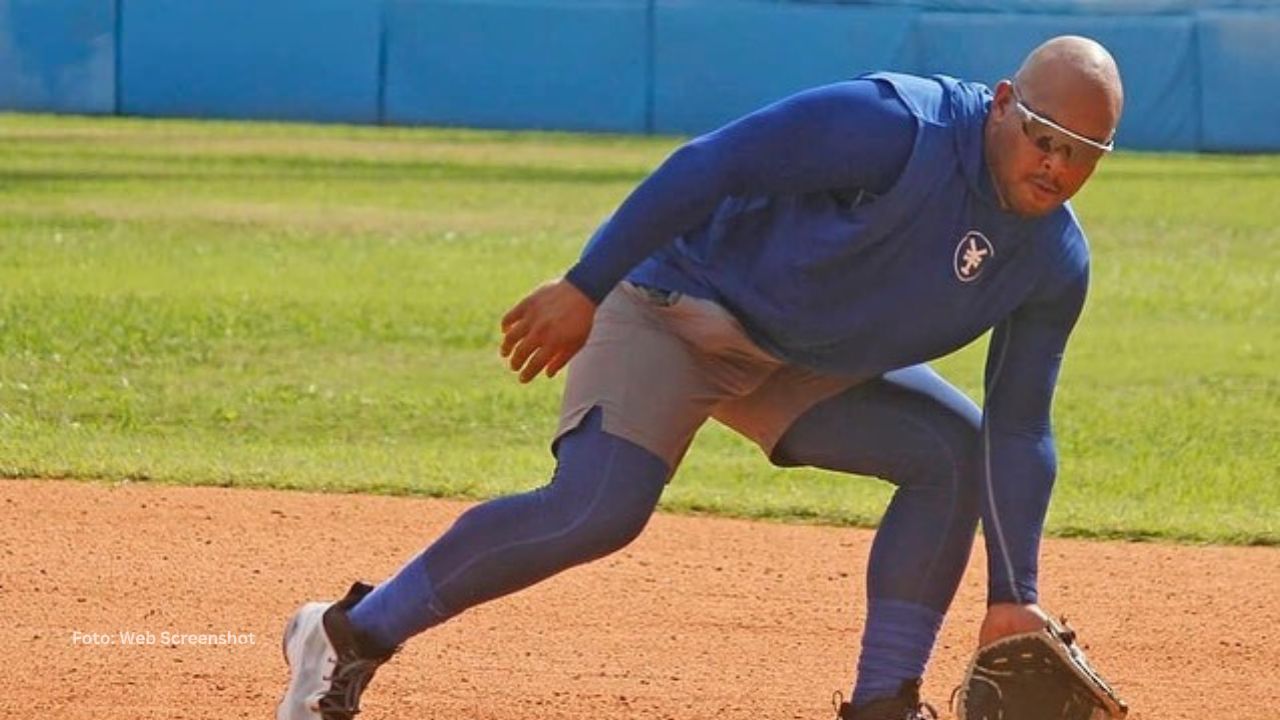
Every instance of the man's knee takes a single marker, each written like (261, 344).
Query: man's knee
(605, 529)
(605, 489)
(591, 525)
(950, 444)
(935, 463)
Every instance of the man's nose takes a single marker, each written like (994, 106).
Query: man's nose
(1055, 160)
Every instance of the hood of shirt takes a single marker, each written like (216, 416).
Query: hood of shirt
(969, 103)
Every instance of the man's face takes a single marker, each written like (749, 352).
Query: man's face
(1041, 156)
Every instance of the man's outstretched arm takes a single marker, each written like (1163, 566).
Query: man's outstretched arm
(1017, 460)
(854, 134)
(850, 134)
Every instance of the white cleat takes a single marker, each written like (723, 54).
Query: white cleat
(327, 674)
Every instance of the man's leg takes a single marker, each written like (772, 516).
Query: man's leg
(648, 377)
(601, 496)
(914, 429)
(635, 395)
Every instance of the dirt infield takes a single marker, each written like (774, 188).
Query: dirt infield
(700, 618)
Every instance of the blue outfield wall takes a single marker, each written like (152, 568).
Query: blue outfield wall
(561, 64)
(1239, 64)
(715, 60)
(258, 59)
(58, 55)
(1199, 74)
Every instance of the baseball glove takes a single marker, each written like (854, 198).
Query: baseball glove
(1040, 675)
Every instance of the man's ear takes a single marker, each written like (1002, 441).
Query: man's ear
(1002, 102)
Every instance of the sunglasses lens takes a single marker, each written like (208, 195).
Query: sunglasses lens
(1085, 154)
(1049, 139)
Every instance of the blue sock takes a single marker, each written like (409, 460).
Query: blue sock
(896, 644)
(399, 608)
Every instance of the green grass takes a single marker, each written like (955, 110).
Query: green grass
(316, 307)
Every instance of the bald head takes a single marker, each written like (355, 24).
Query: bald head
(1074, 81)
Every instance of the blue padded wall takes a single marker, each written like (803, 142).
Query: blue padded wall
(1156, 57)
(567, 64)
(1069, 7)
(282, 59)
(715, 60)
(57, 56)
(1199, 74)
(1240, 70)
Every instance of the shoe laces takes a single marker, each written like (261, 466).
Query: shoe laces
(351, 673)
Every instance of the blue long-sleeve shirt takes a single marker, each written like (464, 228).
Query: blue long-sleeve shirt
(853, 229)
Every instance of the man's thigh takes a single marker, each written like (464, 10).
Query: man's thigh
(764, 415)
(656, 367)
(903, 412)
(909, 425)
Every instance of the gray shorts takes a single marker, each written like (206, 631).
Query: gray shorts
(659, 364)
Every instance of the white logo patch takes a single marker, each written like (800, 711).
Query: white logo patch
(972, 255)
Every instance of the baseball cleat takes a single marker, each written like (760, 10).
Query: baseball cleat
(905, 705)
(327, 671)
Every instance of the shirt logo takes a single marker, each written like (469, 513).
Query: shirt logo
(972, 255)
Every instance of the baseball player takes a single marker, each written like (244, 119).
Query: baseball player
(789, 275)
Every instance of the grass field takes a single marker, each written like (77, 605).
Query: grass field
(316, 307)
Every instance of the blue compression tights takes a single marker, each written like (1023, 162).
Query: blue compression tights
(602, 494)
(912, 428)
(909, 427)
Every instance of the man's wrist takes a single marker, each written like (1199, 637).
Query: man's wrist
(1008, 619)
(579, 277)
(1020, 593)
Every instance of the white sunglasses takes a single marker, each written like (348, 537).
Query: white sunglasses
(1050, 137)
